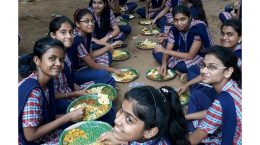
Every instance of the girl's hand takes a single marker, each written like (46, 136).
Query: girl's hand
(108, 138)
(80, 93)
(159, 48)
(154, 21)
(118, 71)
(182, 89)
(160, 37)
(162, 70)
(76, 115)
(116, 44)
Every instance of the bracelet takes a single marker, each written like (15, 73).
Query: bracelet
(110, 36)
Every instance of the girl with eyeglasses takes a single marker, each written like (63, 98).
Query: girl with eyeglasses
(149, 116)
(36, 107)
(221, 123)
(187, 42)
(87, 67)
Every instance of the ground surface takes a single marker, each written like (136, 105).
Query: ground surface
(34, 18)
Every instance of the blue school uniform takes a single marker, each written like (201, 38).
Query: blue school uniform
(153, 4)
(183, 41)
(99, 33)
(48, 109)
(129, 6)
(156, 141)
(230, 94)
(82, 73)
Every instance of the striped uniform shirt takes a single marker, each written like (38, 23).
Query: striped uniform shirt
(172, 62)
(81, 49)
(238, 49)
(169, 15)
(212, 122)
(32, 113)
(60, 82)
(162, 141)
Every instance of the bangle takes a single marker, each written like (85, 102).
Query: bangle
(110, 36)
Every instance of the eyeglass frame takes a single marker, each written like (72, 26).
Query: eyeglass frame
(88, 21)
(210, 67)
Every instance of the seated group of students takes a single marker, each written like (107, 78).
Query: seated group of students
(75, 55)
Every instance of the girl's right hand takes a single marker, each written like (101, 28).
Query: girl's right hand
(182, 89)
(108, 138)
(162, 70)
(76, 114)
(116, 44)
(81, 93)
(118, 71)
(160, 37)
(154, 21)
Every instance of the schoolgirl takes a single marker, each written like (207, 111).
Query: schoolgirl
(106, 27)
(149, 117)
(187, 42)
(86, 68)
(221, 123)
(36, 108)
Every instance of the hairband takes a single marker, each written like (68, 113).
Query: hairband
(153, 98)
(164, 98)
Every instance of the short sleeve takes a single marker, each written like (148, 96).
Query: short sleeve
(82, 51)
(212, 121)
(32, 113)
(171, 38)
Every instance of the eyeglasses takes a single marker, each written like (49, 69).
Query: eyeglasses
(211, 67)
(88, 21)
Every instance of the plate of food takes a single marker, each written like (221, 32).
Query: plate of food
(128, 75)
(120, 55)
(122, 22)
(153, 74)
(95, 106)
(184, 98)
(103, 89)
(85, 132)
(146, 44)
(145, 22)
(148, 31)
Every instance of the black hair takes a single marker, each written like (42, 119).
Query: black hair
(181, 9)
(229, 59)
(80, 12)
(56, 23)
(160, 109)
(201, 12)
(236, 24)
(26, 64)
(105, 16)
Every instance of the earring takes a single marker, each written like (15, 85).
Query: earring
(239, 41)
